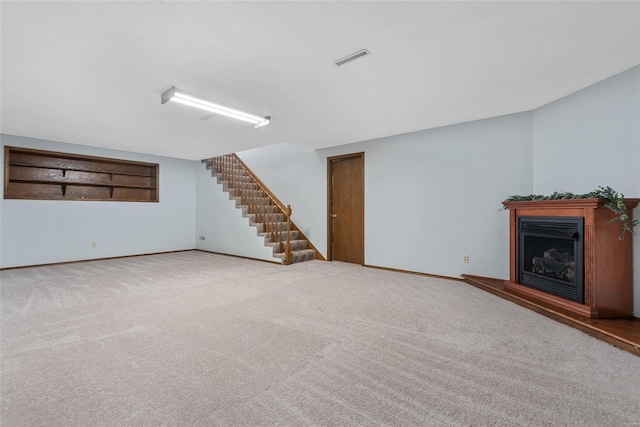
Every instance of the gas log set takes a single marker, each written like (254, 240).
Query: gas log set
(554, 263)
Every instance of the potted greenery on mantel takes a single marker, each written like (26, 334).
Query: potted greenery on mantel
(615, 204)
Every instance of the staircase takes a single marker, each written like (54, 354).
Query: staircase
(269, 215)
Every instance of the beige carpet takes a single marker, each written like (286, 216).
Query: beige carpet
(198, 339)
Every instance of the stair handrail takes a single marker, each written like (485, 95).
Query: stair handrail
(257, 180)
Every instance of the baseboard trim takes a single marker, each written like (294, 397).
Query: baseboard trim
(237, 256)
(94, 259)
(397, 270)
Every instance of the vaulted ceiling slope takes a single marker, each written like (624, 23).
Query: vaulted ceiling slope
(92, 72)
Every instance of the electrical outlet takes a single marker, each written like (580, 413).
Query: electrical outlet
(465, 259)
(202, 238)
(93, 244)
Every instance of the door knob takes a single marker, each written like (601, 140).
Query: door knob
(334, 215)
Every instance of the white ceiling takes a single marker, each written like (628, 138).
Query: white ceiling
(92, 72)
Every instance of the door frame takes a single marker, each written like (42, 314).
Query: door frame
(330, 161)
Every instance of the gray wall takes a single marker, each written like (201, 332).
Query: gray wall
(430, 196)
(591, 138)
(47, 231)
(433, 196)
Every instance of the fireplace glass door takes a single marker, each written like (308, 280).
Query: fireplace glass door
(550, 255)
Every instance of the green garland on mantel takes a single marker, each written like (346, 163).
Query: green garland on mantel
(616, 204)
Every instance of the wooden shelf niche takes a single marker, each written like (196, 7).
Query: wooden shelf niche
(48, 175)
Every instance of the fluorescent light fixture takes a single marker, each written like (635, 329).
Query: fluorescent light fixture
(181, 98)
(354, 55)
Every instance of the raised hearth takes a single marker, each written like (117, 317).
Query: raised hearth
(567, 253)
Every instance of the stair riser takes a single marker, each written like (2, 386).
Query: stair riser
(236, 178)
(266, 210)
(277, 252)
(273, 217)
(299, 256)
(296, 245)
(234, 169)
(283, 236)
(246, 186)
(232, 176)
(258, 208)
(232, 183)
(307, 255)
(248, 194)
(234, 172)
(278, 227)
(261, 203)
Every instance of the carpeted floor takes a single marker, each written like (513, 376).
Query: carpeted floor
(196, 339)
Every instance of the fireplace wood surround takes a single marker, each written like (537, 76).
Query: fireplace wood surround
(607, 261)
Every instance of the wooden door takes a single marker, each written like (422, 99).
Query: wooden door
(346, 208)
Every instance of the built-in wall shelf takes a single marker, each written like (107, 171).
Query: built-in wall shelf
(49, 175)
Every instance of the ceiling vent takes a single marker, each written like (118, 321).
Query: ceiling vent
(355, 55)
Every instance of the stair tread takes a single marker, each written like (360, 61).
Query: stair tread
(290, 241)
(300, 251)
(282, 230)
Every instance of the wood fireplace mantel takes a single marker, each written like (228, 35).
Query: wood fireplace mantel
(608, 261)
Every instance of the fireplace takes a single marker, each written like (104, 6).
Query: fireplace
(550, 255)
(566, 254)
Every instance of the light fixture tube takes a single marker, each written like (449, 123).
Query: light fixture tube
(173, 95)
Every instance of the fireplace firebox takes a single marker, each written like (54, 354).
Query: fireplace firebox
(550, 255)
